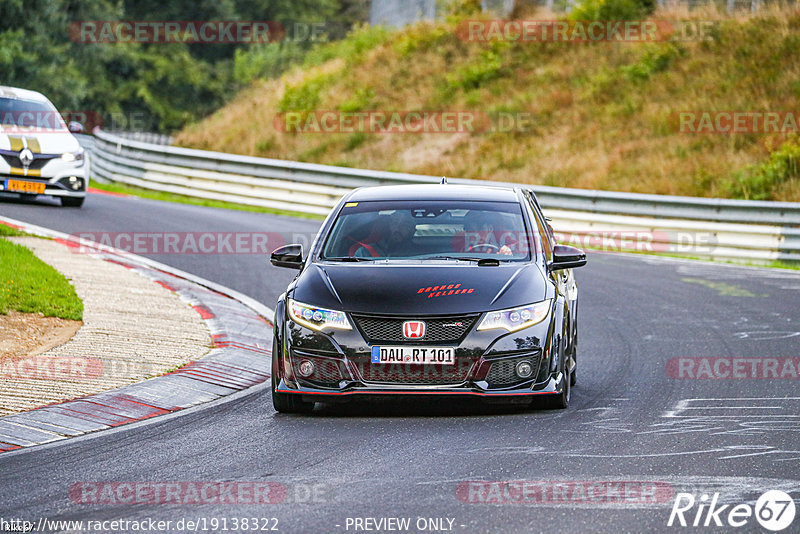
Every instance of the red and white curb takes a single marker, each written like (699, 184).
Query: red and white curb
(242, 337)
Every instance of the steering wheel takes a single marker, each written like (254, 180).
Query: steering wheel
(487, 247)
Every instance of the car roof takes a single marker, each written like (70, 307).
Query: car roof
(21, 94)
(434, 192)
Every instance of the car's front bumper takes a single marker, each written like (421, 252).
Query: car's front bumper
(66, 181)
(487, 362)
(553, 386)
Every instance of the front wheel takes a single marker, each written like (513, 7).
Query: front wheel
(573, 376)
(288, 403)
(72, 202)
(561, 400)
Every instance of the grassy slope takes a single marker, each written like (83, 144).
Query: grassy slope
(602, 111)
(29, 285)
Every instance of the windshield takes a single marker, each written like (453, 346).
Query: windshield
(428, 230)
(30, 114)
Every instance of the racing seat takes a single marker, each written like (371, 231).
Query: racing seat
(373, 233)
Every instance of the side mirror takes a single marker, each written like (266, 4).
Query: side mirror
(75, 127)
(567, 257)
(290, 256)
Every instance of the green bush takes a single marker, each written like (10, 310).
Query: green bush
(488, 67)
(460, 8)
(142, 86)
(355, 141)
(360, 40)
(265, 60)
(654, 60)
(305, 96)
(760, 182)
(421, 37)
(361, 99)
(612, 9)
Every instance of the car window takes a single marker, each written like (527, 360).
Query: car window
(548, 229)
(547, 239)
(428, 229)
(29, 114)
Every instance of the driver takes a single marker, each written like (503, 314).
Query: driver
(480, 236)
(396, 232)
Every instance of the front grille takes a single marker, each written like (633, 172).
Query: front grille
(39, 160)
(416, 374)
(503, 373)
(438, 329)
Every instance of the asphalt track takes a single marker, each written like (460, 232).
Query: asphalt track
(628, 420)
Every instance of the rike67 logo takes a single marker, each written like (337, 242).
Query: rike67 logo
(774, 510)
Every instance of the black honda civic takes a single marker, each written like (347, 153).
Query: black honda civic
(444, 289)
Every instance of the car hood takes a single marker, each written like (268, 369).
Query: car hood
(50, 142)
(415, 289)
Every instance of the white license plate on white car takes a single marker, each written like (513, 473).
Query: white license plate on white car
(414, 355)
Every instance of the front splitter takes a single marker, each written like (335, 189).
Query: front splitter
(553, 386)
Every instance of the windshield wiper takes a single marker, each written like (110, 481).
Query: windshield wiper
(349, 258)
(479, 261)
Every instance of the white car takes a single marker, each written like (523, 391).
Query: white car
(38, 153)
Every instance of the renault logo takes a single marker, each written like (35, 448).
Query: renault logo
(26, 157)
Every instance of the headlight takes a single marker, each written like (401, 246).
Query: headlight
(317, 318)
(72, 156)
(513, 319)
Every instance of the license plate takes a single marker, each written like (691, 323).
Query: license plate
(414, 355)
(22, 186)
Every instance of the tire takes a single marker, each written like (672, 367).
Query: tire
(573, 376)
(72, 202)
(560, 401)
(286, 402)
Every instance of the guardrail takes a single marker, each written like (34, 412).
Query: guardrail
(756, 231)
(146, 137)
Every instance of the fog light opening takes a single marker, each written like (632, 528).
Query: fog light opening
(524, 369)
(306, 368)
(75, 183)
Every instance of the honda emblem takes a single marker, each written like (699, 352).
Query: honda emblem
(413, 329)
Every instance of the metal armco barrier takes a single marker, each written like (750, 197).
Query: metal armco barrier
(754, 231)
